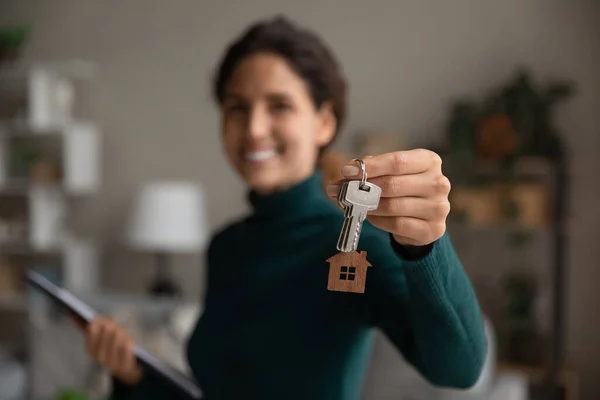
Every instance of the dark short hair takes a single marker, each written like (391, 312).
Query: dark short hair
(305, 52)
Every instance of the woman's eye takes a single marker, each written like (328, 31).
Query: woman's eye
(235, 108)
(280, 107)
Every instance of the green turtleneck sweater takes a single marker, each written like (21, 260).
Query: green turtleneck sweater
(270, 329)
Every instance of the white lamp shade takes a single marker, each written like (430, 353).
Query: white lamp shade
(169, 217)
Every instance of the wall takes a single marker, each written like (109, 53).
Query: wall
(405, 61)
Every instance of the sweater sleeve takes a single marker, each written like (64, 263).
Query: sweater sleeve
(428, 309)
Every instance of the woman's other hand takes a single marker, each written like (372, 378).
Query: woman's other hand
(414, 201)
(112, 347)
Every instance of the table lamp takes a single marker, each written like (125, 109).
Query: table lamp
(167, 218)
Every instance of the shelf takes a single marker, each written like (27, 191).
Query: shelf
(24, 187)
(15, 128)
(27, 249)
(49, 153)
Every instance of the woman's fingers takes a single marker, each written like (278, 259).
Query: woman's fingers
(130, 362)
(123, 355)
(112, 346)
(406, 162)
(415, 207)
(120, 355)
(107, 344)
(402, 186)
(93, 336)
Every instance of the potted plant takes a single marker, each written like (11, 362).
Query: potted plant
(514, 122)
(12, 39)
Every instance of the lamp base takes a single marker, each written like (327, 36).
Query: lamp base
(163, 285)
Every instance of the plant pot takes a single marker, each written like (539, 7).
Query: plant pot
(9, 54)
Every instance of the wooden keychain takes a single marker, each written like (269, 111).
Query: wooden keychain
(348, 268)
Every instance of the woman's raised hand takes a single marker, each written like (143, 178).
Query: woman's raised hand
(112, 346)
(414, 194)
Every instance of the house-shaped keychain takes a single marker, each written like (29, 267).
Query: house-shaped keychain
(348, 272)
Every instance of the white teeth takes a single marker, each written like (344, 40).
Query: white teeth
(260, 155)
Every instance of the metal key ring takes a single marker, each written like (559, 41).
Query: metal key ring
(363, 169)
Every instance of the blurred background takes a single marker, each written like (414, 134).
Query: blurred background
(107, 130)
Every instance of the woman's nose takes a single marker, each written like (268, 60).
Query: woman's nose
(259, 124)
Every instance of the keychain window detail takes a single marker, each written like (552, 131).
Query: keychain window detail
(347, 273)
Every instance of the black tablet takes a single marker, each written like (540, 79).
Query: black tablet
(181, 385)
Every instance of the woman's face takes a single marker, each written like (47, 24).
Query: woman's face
(272, 131)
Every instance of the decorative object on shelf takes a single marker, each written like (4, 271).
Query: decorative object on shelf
(45, 171)
(12, 39)
(486, 205)
(22, 160)
(532, 200)
(13, 230)
(497, 137)
(168, 217)
(47, 211)
(477, 205)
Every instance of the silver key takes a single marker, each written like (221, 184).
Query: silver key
(344, 206)
(358, 198)
(342, 196)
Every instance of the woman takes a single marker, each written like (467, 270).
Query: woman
(270, 328)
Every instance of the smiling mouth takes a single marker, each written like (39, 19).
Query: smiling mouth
(261, 155)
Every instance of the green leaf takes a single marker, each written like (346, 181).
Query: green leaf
(72, 394)
(14, 35)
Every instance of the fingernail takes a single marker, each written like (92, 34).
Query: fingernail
(350, 170)
(332, 190)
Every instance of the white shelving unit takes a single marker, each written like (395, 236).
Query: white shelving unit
(49, 155)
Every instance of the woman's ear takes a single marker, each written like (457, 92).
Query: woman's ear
(326, 125)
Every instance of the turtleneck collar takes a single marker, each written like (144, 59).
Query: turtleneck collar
(303, 199)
